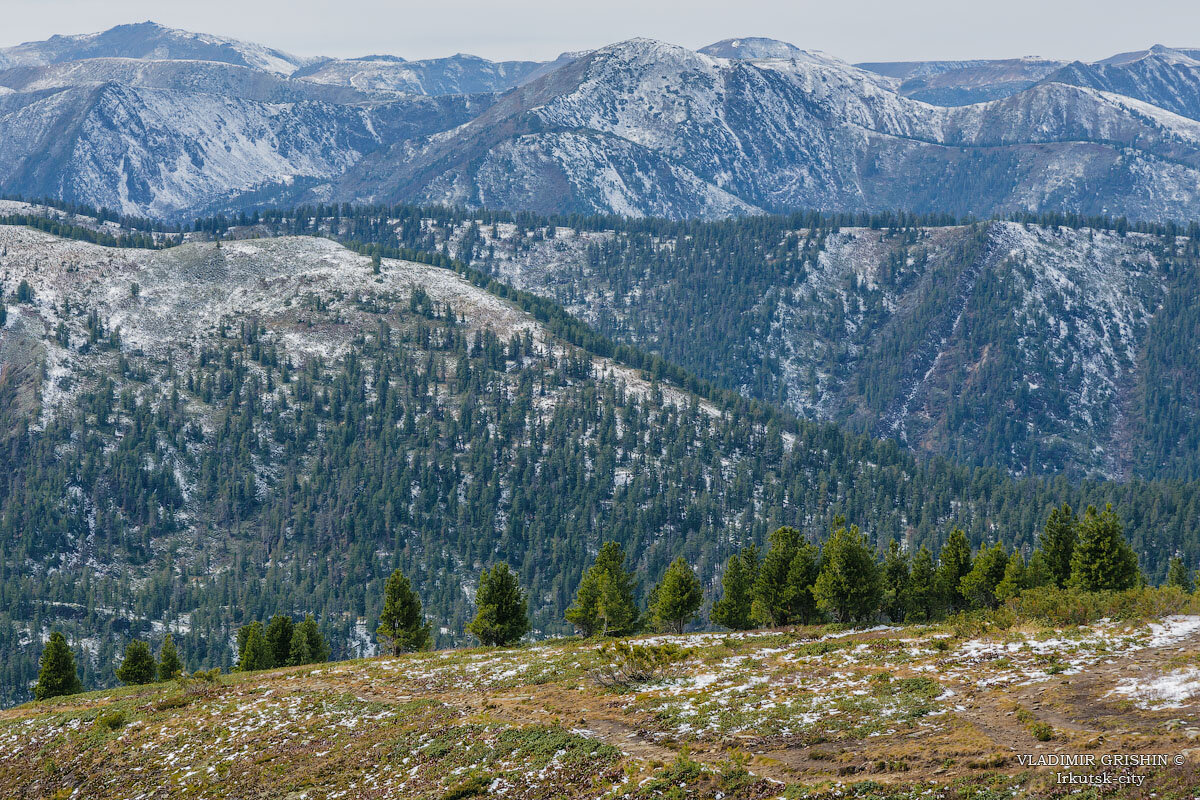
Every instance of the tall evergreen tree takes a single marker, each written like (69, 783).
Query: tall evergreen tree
(1179, 575)
(1102, 560)
(279, 639)
(924, 600)
(308, 645)
(735, 608)
(978, 587)
(676, 599)
(402, 626)
(257, 653)
(137, 667)
(848, 586)
(1057, 543)
(57, 675)
(954, 564)
(501, 616)
(243, 638)
(169, 663)
(783, 588)
(604, 602)
(1014, 580)
(895, 582)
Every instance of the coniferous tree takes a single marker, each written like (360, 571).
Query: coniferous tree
(501, 616)
(955, 563)
(1014, 580)
(604, 602)
(279, 639)
(257, 653)
(137, 667)
(895, 582)
(57, 675)
(308, 645)
(923, 602)
(735, 608)
(1057, 543)
(676, 599)
(402, 626)
(1179, 575)
(170, 664)
(243, 638)
(848, 586)
(1037, 571)
(783, 588)
(978, 587)
(1102, 560)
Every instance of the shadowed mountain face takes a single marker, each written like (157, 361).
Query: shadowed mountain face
(155, 121)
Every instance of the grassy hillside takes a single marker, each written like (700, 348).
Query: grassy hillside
(932, 712)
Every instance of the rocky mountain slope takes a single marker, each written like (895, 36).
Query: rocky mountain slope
(200, 435)
(932, 712)
(637, 128)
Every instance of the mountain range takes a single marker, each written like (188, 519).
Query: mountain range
(152, 121)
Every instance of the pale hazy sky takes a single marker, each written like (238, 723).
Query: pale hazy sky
(856, 30)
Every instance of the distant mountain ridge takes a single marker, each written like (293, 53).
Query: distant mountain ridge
(640, 128)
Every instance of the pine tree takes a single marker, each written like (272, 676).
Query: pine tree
(57, 675)
(604, 602)
(1179, 575)
(895, 582)
(402, 627)
(1014, 580)
(1102, 560)
(501, 616)
(955, 564)
(279, 639)
(138, 666)
(978, 587)
(1057, 543)
(308, 645)
(923, 602)
(849, 586)
(169, 663)
(734, 609)
(257, 653)
(783, 588)
(1037, 571)
(676, 599)
(243, 638)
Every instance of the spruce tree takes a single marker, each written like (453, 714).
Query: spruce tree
(676, 599)
(308, 645)
(978, 587)
(402, 627)
(734, 609)
(1179, 575)
(849, 586)
(895, 582)
(57, 675)
(138, 666)
(1102, 560)
(279, 639)
(1057, 543)
(604, 602)
(170, 664)
(501, 616)
(923, 602)
(955, 563)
